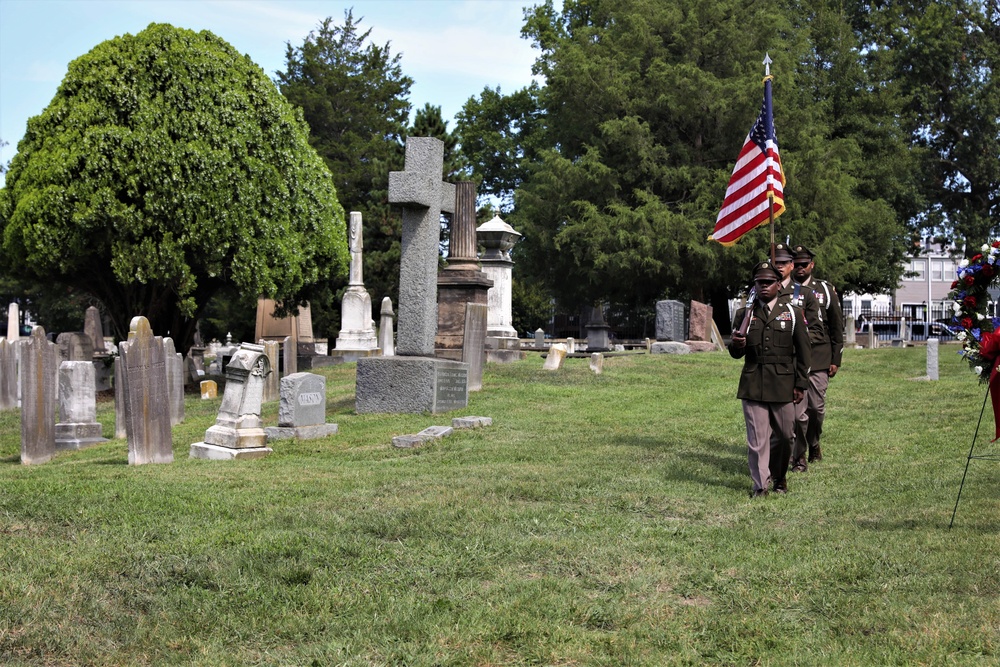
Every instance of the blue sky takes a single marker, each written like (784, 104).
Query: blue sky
(452, 49)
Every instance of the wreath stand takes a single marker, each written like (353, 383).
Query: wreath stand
(991, 457)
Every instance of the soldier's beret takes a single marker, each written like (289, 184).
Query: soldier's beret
(782, 253)
(765, 270)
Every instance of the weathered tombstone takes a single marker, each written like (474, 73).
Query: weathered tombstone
(8, 376)
(539, 337)
(598, 331)
(13, 323)
(356, 331)
(302, 412)
(932, 359)
(77, 426)
(238, 432)
(670, 347)
(173, 363)
(570, 345)
(497, 239)
(192, 374)
(146, 396)
(289, 356)
(413, 380)
(474, 346)
(39, 359)
(670, 321)
(556, 356)
(75, 346)
(92, 327)
(462, 281)
(700, 322)
(597, 363)
(471, 422)
(850, 334)
(120, 430)
(272, 385)
(209, 389)
(386, 333)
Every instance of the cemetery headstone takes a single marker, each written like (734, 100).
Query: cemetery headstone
(474, 345)
(173, 363)
(8, 375)
(700, 322)
(413, 380)
(92, 327)
(598, 331)
(77, 426)
(13, 323)
(289, 356)
(597, 363)
(238, 431)
(556, 356)
(462, 281)
(146, 396)
(386, 332)
(932, 359)
(497, 238)
(850, 334)
(302, 412)
(539, 337)
(272, 385)
(209, 389)
(75, 346)
(570, 345)
(119, 370)
(192, 374)
(39, 359)
(356, 330)
(669, 347)
(670, 321)
(471, 422)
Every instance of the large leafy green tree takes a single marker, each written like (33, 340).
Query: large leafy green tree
(167, 166)
(630, 143)
(943, 56)
(355, 99)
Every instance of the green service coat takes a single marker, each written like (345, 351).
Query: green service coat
(777, 354)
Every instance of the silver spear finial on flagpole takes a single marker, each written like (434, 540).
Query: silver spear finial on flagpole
(767, 64)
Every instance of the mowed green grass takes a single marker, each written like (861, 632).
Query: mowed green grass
(602, 520)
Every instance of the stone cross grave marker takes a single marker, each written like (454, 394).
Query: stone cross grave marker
(423, 196)
(146, 396)
(39, 359)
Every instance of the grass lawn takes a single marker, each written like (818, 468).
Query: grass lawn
(602, 520)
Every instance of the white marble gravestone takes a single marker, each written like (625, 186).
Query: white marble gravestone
(238, 431)
(146, 395)
(386, 331)
(77, 426)
(356, 330)
(8, 376)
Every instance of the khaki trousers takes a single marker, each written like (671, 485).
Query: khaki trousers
(770, 429)
(809, 415)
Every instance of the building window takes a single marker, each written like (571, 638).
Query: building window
(942, 270)
(917, 272)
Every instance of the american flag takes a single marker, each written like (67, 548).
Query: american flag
(756, 178)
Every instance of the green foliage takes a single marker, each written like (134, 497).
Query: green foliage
(166, 167)
(531, 306)
(619, 163)
(427, 122)
(354, 96)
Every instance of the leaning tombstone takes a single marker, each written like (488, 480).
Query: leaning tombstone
(302, 411)
(238, 431)
(38, 398)
(146, 396)
(556, 356)
(77, 426)
(8, 376)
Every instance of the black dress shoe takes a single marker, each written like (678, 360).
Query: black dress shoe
(799, 465)
(781, 487)
(815, 454)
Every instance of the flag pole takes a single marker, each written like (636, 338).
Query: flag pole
(770, 195)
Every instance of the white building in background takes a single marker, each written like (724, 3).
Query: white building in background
(926, 282)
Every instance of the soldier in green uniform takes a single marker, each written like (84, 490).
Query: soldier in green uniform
(775, 350)
(826, 358)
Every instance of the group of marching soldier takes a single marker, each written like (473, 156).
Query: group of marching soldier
(790, 335)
